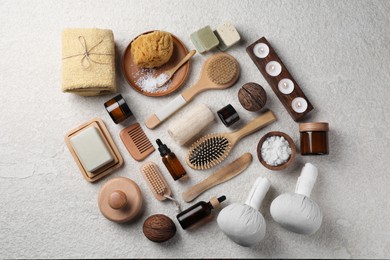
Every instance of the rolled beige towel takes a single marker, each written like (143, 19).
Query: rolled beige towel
(88, 61)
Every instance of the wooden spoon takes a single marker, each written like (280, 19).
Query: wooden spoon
(167, 75)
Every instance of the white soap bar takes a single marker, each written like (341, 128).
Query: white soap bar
(91, 149)
(228, 34)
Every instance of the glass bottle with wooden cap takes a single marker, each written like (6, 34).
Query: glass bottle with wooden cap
(314, 138)
(190, 216)
(170, 161)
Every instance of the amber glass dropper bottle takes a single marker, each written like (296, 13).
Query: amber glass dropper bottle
(198, 211)
(170, 160)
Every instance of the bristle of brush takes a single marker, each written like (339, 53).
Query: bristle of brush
(155, 180)
(222, 70)
(208, 152)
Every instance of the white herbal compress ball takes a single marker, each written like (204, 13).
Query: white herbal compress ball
(296, 211)
(243, 223)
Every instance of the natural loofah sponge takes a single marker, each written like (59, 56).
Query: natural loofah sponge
(152, 50)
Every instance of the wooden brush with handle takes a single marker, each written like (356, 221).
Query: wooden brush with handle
(212, 149)
(220, 71)
(157, 184)
(222, 175)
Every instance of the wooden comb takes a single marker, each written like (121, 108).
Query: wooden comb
(220, 71)
(224, 174)
(212, 149)
(136, 141)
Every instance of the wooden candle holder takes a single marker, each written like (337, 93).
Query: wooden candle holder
(268, 54)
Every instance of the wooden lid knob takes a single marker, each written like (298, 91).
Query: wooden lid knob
(120, 199)
(117, 199)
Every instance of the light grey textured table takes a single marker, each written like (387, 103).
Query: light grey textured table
(338, 51)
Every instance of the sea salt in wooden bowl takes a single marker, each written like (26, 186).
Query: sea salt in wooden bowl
(287, 162)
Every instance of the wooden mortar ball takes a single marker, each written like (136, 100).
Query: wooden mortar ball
(252, 96)
(159, 228)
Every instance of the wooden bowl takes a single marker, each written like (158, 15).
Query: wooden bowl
(132, 72)
(281, 166)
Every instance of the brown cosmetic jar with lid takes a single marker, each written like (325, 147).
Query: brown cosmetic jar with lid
(314, 138)
(118, 109)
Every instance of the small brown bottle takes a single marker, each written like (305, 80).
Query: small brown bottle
(197, 212)
(170, 160)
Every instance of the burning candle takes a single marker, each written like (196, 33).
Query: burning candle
(273, 68)
(261, 50)
(299, 105)
(286, 86)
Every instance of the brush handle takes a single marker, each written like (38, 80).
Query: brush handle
(203, 84)
(173, 106)
(165, 112)
(254, 125)
(224, 174)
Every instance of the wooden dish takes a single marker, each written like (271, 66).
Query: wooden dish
(290, 159)
(132, 72)
(103, 131)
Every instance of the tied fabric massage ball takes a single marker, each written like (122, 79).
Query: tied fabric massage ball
(296, 211)
(242, 222)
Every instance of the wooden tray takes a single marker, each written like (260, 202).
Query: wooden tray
(106, 169)
(132, 72)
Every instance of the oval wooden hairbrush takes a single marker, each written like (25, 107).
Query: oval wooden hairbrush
(212, 149)
(220, 71)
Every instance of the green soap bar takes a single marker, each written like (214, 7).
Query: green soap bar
(222, 46)
(204, 39)
(196, 41)
(207, 38)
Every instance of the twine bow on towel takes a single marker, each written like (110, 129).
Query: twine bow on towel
(87, 54)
